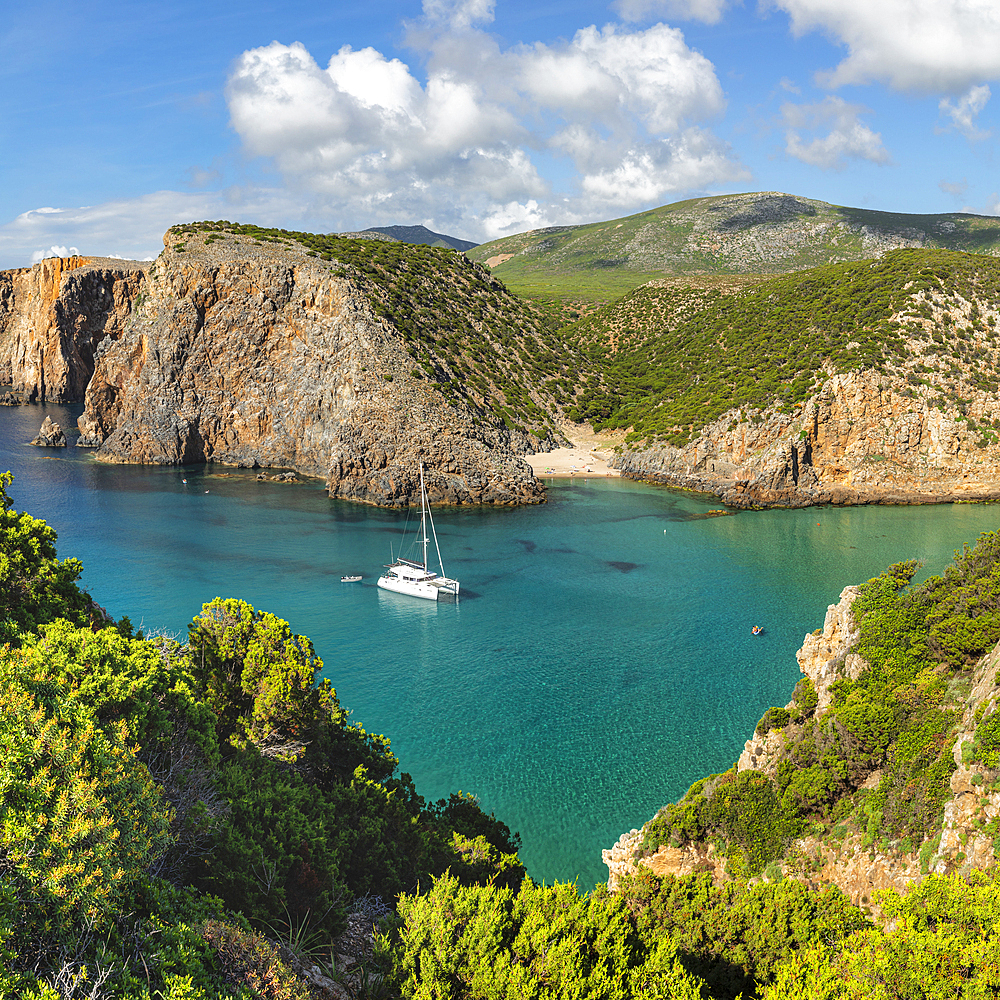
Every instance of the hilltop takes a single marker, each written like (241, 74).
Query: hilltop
(757, 233)
(421, 234)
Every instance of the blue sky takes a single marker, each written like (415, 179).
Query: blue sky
(479, 118)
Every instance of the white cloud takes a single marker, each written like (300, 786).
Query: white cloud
(619, 78)
(709, 11)
(920, 45)
(366, 142)
(957, 189)
(847, 139)
(130, 228)
(965, 110)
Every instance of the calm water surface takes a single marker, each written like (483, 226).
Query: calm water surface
(600, 658)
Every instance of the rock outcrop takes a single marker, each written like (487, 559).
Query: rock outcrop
(966, 838)
(53, 317)
(50, 435)
(271, 357)
(864, 438)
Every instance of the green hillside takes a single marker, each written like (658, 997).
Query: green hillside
(666, 360)
(756, 233)
(467, 335)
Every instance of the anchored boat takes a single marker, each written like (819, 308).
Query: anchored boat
(407, 576)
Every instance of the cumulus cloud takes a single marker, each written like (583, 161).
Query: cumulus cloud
(965, 110)
(848, 137)
(624, 111)
(920, 45)
(709, 11)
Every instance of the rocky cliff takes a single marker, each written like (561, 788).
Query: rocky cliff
(964, 836)
(53, 317)
(862, 383)
(262, 352)
(866, 437)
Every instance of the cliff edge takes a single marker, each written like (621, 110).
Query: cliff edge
(865, 437)
(353, 362)
(54, 316)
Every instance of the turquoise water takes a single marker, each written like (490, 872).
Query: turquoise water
(599, 661)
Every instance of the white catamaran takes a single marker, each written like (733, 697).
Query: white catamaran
(405, 576)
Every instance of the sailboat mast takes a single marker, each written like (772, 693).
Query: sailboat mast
(430, 514)
(423, 514)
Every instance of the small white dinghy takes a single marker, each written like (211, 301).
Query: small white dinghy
(350, 579)
(406, 576)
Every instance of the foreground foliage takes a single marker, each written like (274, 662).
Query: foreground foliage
(168, 811)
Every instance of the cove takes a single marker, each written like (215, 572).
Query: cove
(600, 658)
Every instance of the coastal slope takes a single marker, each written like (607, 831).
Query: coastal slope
(867, 382)
(882, 768)
(349, 359)
(761, 232)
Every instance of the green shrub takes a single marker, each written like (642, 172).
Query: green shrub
(773, 718)
(805, 695)
(35, 587)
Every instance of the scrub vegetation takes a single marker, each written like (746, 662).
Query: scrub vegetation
(185, 821)
(668, 359)
(466, 334)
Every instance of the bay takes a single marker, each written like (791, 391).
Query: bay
(599, 660)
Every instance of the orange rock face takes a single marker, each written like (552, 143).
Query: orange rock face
(53, 317)
(864, 438)
(266, 358)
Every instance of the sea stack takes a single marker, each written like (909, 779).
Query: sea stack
(50, 435)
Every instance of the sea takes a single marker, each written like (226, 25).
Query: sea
(599, 659)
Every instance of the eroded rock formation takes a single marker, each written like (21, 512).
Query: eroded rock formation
(865, 438)
(258, 357)
(53, 317)
(50, 435)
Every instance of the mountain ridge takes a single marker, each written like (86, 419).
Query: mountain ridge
(421, 234)
(750, 233)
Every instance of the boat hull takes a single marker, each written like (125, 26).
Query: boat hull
(412, 588)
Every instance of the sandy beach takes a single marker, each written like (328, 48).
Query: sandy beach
(587, 458)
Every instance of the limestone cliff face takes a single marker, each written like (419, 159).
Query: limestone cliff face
(53, 316)
(269, 358)
(865, 438)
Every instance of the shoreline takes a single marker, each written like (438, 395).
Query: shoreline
(585, 458)
(571, 463)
